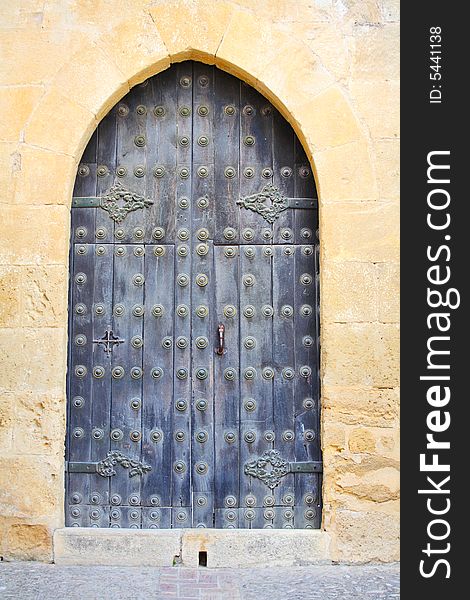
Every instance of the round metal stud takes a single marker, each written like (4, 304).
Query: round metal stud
(202, 249)
(122, 110)
(309, 435)
(230, 515)
(248, 234)
(95, 498)
(81, 232)
(80, 371)
(249, 514)
(203, 81)
(304, 172)
(180, 436)
(248, 172)
(269, 436)
(308, 403)
(268, 501)
(156, 436)
(156, 373)
(201, 468)
(230, 172)
(203, 140)
(289, 251)
(203, 111)
(286, 233)
(139, 251)
(116, 435)
(101, 233)
(134, 514)
(202, 311)
(288, 499)
(159, 171)
(141, 109)
(305, 371)
(185, 81)
(182, 279)
(181, 516)
(288, 514)
(267, 173)
(268, 514)
(75, 512)
(183, 234)
(267, 234)
(249, 342)
(202, 280)
(248, 280)
(136, 403)
(134, 500)
(307, 250)
(306, 310)
(203, 171)
(159, 251)
(248, 110)
(138, 279)
(185, 111)
(184, 172)
(182, 373)
(268, 251)
(267, 110)
(202, 342)
(309, 499)
(250, 500)
(249, 311)
(102, 171)
(78, 432)
(80, 309)
(288, 373)
(230, 233)
(157, 310)
(310, 513)
(119, 234)
(286, 171)
(181, 405)
(95, 514)
(230, 252)
(121, 171)
(230, 311)
(118, 372)
(305, 233)
(139, 171)
(136, 372)
(201, 501)
(78, 402)
(138, 310)
(77, 498)
(249, 373)
(80, 278)
(249, 405)
(155, 500)
(167, 343)
(287, 311)
(159, 111)
(203, 202)
(230, 501)
(249, 437)
(135, 436)
(120, 251)
(306, 279)
(202, 437)
(138, 233)
(307, 341)
(100, 309)
(202, 234)
(201, 404)
(83, 170)
(268, 373)
(267, 311)
(140, 141)
(288, 435)
(249, 140)
(229, 110)
(80, 339)
(158, 233)
(202, 374)
(230, 437)
(182, 342)
(183, 203)
(183, 251)
(230, 374)
(98, 372)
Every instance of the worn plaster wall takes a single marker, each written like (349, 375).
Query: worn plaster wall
(331, 67)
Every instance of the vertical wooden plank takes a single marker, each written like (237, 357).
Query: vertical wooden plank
(256, 161)
(227, 386)
(181, 442)
(284, 347)
(80, 378)
(256, 371)
(105, 174)
(226, 139)
(129, 282)
(283, 164)
(157, 399)
(306, 221)
(160, 220)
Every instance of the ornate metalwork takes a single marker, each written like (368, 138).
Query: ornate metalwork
(119, 202)
(108, 341)
(268, 203)
(105, 467)
(269, 468)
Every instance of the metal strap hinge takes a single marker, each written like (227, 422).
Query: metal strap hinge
(313, 466)
(85, 202)
(105, 467)
(81, 467)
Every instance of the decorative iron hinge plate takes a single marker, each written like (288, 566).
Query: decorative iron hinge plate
(105, 467)
(270, 202)
(270, 468)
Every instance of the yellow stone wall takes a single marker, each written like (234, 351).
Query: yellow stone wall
(332, 68)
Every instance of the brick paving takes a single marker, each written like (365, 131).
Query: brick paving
(37, 581)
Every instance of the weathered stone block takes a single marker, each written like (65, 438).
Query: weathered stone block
(361, 440)
(44, 296)
(16, 105)
(39, 426)
(7, 420)
(29, 542)
(376, 54)
(373, 407)
(10, 296)
(387, 165)
(388, 292)
(373, 101)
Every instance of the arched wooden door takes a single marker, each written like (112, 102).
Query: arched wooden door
(193, 357)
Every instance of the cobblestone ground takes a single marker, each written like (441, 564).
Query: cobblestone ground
(35, 581)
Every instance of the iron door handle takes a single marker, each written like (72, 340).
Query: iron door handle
(221, 339)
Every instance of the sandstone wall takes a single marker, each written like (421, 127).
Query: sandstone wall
(331, 67)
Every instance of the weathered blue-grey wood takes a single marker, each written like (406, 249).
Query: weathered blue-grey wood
(105, 174)
(306, 221)
(283, 178)
(156, 517)
(157, 403)
(226, 383)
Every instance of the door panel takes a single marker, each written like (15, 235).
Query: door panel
(193, 385)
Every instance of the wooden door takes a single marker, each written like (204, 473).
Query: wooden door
(193, 387)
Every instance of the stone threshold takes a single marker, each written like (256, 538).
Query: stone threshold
(214, 548)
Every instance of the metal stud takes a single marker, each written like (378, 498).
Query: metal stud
(157, 310)
(249, 342)
(156, 373)
(230, 311)
(185, 81)
(181, 405)
(201, 501)
(121, 171)
(202, 374)
(202, 437)
(203, 202)
(203, 140)
(182, 373)
(80, 278)
(202, 234)
(230, 501)
(183, 251)
(310, 513)
(135, 436)
(83, 170)
(249, 311)
(202, 280)
(184, 141)
(250, 500)
(268, 373)
(267, 110)
(287, 311)
(268, 251)
(159, 171)
(230, 233)
(289, 251)
(182, 279)
(159, 251)
(185, 111)
(118, 372)
(136, 372)
(120, 251)
(155, 500)
(269, 436)
(268, 514)
(249, 373)
(80, 339)
(102, 171)
(156, 436)
(267, 310)
(307, 341)
(138, 233)
(78, 402)
(101, 233)
(203, 172)
(230, 252)
(77, 498)
(249, 405)
(122, 110)
(180, 436)
(139, 251)
(306, 310)
(248, 110)
(183, 203)
(248, 280)
(230, 437)
(286, 233)
(202, 342)
(288, 373)
(309, 435)
(248, 234)
(306, 279)
(181, 516)
(248, 172)
(307, 250)
(304, 172)
(140, 141)
(230, 374)
(183, 234)
(229, 110)
(116, 435)
(305, 371)
(81, 371)
(288, 514)
(80, 309)
(184, 172)
(202, 249)
(308, 403)
(288, 499)
(249, 140)
(305, 233)
(167, 343)
(138, 279)
(98, 372)
(138, 310)
(100, 309)
(202, 311)
(141, 109)
(286, 171)
(203, 111)
(81, 232)
(201, 468)
(136, 403)
(201, 404)
(267, 173)
(139, 171)
(134, 500)
(288, 435)
(230, 172)
(119, 234)
(159, 111)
